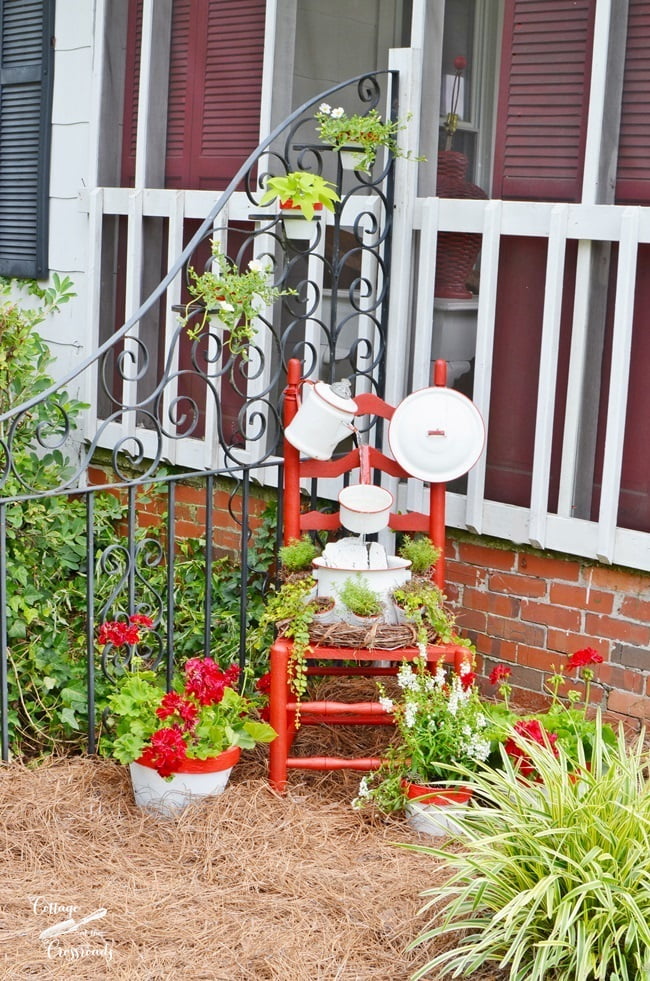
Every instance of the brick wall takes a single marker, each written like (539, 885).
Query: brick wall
(190, 508)
(529, 610)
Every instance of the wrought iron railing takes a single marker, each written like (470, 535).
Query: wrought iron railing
(148, 397)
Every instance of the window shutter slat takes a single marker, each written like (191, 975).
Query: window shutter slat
(543, 100)
(26, 59)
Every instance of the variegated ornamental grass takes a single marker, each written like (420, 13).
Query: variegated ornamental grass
(553, 880)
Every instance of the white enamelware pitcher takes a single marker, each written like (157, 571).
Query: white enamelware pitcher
(322, 421)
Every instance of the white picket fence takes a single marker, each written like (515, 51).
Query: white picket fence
(412, 286)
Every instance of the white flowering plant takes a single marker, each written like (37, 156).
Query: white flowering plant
(368, 131)
(235, 297)
(440, 724)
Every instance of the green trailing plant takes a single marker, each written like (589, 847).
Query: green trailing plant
(301, 189)
(420, 552)
(235, 297)
(298, 555)
(366, 131)
(423, 604)
(360, 598)
(551, 883)
(290, 612)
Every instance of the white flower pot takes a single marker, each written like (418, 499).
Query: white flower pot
(200, 779)
(296, 226)
(381, 581)
(351, 157)
(436, 819)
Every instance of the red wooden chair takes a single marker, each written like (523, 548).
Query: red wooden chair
(283, 704)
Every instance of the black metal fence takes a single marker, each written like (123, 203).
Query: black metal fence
(109, 552)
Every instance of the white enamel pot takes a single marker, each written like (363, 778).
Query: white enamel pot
(364, 508)
(322, 421)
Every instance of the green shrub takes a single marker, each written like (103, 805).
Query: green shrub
(553, 881)
(46, 557)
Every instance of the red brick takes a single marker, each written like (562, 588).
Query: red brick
(471, 620)
(469, 575)
(548, 568)
(615, 676)
(564, 642)
(497, 649)
(552, 616)
(619, 580)
(629, 704)
(186, 494)
(490, 558)
(513, 584)
(527, 701)
(535, 657)
(621, 630)
(146, 520)
(581, 598)
(504, 606)
(633, 608)
(187, 529)
(523, 633)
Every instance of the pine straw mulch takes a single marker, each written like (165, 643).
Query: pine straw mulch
(250, 887)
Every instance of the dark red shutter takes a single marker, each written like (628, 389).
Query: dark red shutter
(633, 177)
(215, 90)
(131, 90)
(215, 87)
(543, 99)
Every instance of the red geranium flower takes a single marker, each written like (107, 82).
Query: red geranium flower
(499, 673)
(141, 620)
(120, 632)
(174, 704)
(467, 679)
(206, 681)
(529, 730)
(263, 684)
(581, 658)
(167, 751)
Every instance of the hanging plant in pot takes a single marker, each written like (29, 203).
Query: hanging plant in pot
(180, 744)
(224, 297)
(440, 725)
(357, 138)
(301, 195)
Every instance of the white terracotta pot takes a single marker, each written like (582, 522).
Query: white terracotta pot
(167, 798)
(322, 421)
(364, 508)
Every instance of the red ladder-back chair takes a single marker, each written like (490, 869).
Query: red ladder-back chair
(283, 705)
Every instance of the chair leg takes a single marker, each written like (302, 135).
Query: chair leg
(278, 716)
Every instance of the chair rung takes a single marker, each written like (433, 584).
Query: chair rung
(307, 719)
(328, 708)
(333, 763)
